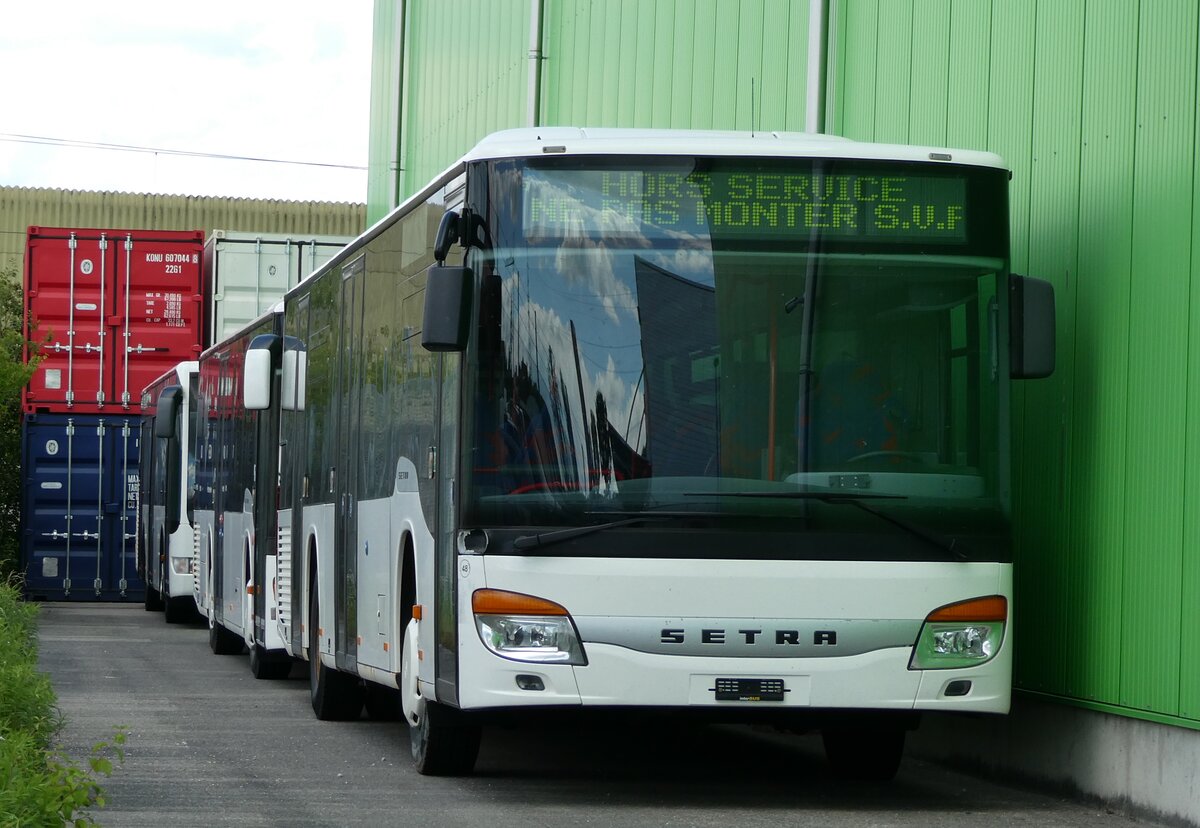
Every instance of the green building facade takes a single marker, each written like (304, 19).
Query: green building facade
(1093, 103)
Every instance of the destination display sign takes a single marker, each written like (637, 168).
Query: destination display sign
(880, 203)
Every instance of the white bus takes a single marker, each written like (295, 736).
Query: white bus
(165, 533)
(659, 420)
(235, 453)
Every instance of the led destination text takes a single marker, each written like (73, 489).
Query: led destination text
(660, 203)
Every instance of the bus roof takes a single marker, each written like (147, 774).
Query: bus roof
(537, 141)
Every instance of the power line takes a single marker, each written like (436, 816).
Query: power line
(75, 144)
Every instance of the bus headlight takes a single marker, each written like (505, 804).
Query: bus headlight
(961, 635)
(526, 628)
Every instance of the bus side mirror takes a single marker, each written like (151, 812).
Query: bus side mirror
(166, 418)
(294, 374)
(1031, 327)
(256, 378)
(166, 411)
(174, 487)
(447, 308)
(447, 234)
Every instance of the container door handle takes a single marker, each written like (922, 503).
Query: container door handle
(103, 319)
(258, 276)
(71, 245)
(97, 583)
(124, 497)
(70, 506)
(128, 261)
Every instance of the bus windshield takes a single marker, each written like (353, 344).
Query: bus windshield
(669, 333)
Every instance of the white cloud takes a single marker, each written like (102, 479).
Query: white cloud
(279, 80)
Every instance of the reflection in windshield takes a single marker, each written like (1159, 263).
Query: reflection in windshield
(624, 374)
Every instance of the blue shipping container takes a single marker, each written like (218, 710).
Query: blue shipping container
(79, 508)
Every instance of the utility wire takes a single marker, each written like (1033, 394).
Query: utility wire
(68, 142)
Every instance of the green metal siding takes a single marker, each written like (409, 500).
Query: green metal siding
(1098, 469)
(851, 103)
(1053, 230)
(1158, 315)
(1093, 104)
(722, 64)
(930, 26)
(464, 75)
(386, 56)
(675, 63)
(893, 71)
(967, 85)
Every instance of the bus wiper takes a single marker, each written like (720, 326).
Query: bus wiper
(949, 545)
(558, 535)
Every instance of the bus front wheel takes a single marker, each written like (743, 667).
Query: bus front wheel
(443, 742)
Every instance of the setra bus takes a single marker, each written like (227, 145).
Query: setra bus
(232, 502)
(164, 542)
(635, 420)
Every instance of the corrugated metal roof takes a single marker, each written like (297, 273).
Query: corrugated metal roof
(21, 207)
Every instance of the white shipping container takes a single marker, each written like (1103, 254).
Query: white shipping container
(247, 273)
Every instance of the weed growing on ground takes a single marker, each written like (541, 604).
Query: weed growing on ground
(39, 784)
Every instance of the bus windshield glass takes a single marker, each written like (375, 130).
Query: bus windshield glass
(738, 336)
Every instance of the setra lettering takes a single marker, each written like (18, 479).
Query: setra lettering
(708, 635)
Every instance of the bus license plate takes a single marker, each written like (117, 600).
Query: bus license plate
(752, 690)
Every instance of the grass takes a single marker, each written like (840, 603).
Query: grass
(39, 784)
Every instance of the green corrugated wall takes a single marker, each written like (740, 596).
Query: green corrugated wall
(463, 75)
(1093, 104)
(674, 63)
(463, 68)
(386, 78)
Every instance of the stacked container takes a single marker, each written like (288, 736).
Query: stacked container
(79, 508)
(111, 310)
(247, 273)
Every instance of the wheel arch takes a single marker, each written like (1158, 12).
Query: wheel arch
(310, 585)
(406, 581)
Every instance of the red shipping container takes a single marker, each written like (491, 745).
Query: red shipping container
(114, 309)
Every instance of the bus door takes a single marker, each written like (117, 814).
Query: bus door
(349, 399)
(297, 435)
(222, 468)
(266, 499)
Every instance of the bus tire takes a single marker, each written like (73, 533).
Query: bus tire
(443, 741)
(335, 696)
(382, 703)
(175, 608)
(153, 600)
(266, 667)
(221, 641)
(867, 754)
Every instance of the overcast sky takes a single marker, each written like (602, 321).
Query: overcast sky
(287, 80)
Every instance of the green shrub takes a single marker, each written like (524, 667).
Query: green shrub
(39, 785)
(14, 374)
(26, 697)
